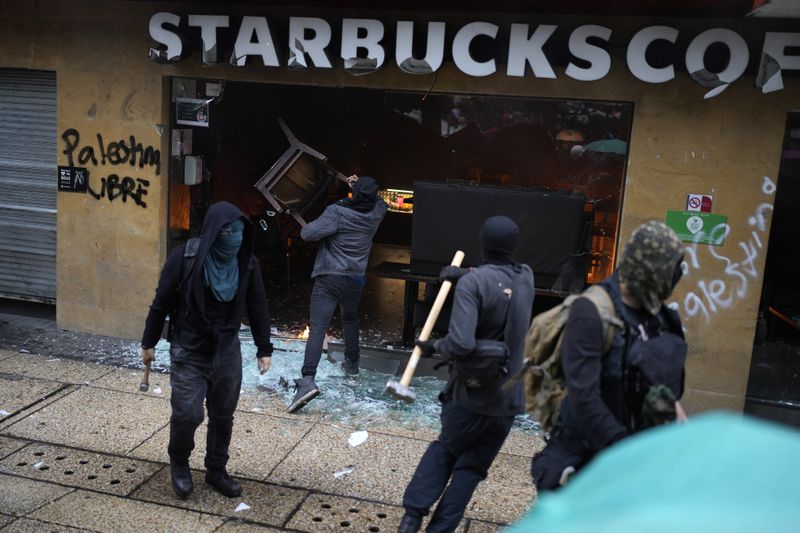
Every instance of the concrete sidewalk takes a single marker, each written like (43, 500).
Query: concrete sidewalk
(82, 449)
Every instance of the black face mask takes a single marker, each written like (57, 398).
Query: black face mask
(498, 240)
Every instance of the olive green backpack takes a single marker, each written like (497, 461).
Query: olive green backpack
(544, 377)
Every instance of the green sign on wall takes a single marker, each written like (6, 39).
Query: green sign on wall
(694, 226)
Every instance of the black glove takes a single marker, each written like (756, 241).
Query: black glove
(427, 348)
(452, 273)
(265, 351)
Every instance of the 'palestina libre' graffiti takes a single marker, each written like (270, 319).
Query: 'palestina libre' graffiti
(114, 153)
(714, 295)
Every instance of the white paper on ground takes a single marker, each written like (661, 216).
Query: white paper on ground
(157, 390)
(242, 507)
(357, 438)
(344, 472)
(38, 465)
(3, 412)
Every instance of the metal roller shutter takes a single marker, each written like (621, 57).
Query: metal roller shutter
(28, 184)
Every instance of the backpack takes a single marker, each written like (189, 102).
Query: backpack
(189, 258)
(544, 377)
(654, 381)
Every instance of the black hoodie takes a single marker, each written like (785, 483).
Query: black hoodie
(198, 324)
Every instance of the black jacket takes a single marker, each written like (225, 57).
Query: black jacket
(200, 323)
(480, 309)
(594, 410)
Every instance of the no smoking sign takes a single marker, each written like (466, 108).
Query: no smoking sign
(699, 202)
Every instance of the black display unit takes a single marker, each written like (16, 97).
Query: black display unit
(554, 229)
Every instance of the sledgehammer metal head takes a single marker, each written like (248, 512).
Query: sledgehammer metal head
(145, 384)
(400, 392)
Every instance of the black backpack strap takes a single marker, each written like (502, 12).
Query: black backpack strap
(516, 284)
(189, 258)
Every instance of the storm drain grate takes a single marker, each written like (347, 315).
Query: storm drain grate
(333, 513)
(91, 470)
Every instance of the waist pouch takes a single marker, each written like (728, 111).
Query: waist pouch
(485, 367)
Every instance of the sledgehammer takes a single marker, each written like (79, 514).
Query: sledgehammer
(145, 384)
(401, 390)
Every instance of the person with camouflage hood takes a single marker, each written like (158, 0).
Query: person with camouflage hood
(599, 408)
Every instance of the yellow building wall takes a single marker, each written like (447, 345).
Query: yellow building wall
(110, 251)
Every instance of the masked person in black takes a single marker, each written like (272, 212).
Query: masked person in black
(205, 287)
(491, 302)
(344, 232)
(610, 395)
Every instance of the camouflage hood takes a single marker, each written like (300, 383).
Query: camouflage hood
(649, 263)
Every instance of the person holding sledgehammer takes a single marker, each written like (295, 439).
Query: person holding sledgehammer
(491, 313)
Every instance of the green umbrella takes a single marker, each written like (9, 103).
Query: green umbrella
(608, 146)
(718, 473)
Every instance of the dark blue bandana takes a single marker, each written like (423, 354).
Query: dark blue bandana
(221, 266)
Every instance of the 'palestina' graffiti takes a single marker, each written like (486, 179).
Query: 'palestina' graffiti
(113, 153)
(713, 295)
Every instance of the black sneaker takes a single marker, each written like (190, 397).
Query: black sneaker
(305, 391)
(223, 483)
(350, 367)
(181, 480)
(409, 524)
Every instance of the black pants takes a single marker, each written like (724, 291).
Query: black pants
(194, 380)
(462, 455)
(330, 292)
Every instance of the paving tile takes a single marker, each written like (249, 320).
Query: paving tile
(506, 494)
(523, 442)
(20, 496)
(476, 526)
(78, 468)
(9, 445)
(335, 513)
(96, 419)
(102, 512)
(258, 444)
(65, 390)
(17, 392)
(389, 425)
(53, 369)
(128, 380)
(382, 466)
(239, 526)
(519, 442)
(269, 504)
(261, 402)
(5, 520)
(26, 525)
(4, 354)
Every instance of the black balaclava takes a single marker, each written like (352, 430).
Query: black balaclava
(365, 194)
(498, 240)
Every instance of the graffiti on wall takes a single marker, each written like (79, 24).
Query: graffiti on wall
(124, 156)
(709, 296)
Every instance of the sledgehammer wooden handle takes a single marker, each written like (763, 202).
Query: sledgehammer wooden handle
(429, 322)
